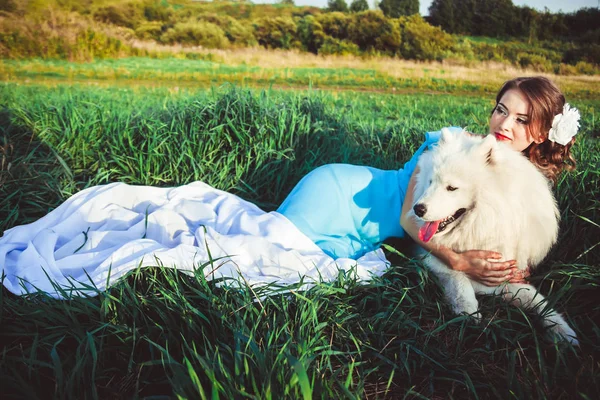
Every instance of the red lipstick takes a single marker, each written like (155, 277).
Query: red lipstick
(500, 137)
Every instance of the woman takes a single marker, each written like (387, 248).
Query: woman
(348, 210)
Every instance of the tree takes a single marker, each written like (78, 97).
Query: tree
(453, 16)
(421, 41)
(371, 30)
(493, 18)
(397, 8)
(359, 5)
(337, 5)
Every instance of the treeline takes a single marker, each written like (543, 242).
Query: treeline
(502, 19)
(89, 29)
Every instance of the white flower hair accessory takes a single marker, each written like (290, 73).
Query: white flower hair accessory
(565, 125)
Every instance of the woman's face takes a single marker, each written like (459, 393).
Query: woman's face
(510, 119)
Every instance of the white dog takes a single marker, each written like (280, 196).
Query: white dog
(473, 193)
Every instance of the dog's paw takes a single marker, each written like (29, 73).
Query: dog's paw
(565, 333)
(467, 308)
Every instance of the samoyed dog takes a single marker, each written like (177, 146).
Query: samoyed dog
(473, 193)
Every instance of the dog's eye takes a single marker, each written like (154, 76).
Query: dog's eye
(451, 188)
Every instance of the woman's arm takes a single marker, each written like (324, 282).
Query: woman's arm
(475, 263)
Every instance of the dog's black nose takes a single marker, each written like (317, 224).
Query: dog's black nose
(420, 209)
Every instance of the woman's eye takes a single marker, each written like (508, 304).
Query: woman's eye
(451, 188)
(522, 121)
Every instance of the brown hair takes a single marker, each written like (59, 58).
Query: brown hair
(546, 101)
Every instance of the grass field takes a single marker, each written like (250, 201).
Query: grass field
(161, 333)
(285, 69)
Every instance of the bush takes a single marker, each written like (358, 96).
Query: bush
(310, 33)
(371, 30)
(275, 33)
(127, 15)
(464, 49)
(237, 33)
(150, 30)
(423, 41)
(586, 52)
(10, 6)
(67, 37)
(586, 68)
(534, 61)
(335, 46)
(335, 24)
(566, 69)
(155, 11)
(200, 33)
(487, 51)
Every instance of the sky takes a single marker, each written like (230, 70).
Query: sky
(553, 5)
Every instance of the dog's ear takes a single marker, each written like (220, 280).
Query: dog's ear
(447, 135)
(487, 149)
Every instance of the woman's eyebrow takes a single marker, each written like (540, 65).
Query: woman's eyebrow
(506, 108)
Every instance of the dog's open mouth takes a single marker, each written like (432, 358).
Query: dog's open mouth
(432, 227)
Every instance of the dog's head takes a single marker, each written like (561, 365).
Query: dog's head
(449, 180)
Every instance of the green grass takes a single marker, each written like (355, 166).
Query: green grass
(213, 70)
(159, 332)
(194, 73)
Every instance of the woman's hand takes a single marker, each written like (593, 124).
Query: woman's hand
(520, 276)
(479, 265)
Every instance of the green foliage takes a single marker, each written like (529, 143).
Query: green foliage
(518, 53)
(503, 19)
(199, 33)
(311, 34)
(492, 18)
(128, 15)
(150, 30)
(422, 41)
(238, 34)
(371, 30)
(359, 6)
(588, 52)
(335, 24)
(535, 62)
(8, 5)
(546, 40)
(454, 16)
(337, 5)
(335, 46)
(582, 22)
(398, 8)
(156, 10)
(586, 68)
(67, 37)
(242, 10)
(275, 33)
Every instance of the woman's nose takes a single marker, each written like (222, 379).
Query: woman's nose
(506, 123)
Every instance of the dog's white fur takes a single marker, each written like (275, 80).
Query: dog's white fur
(510, 209)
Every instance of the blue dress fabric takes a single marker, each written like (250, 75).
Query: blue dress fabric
(349, 210)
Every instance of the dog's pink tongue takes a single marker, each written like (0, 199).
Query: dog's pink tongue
(428, 230)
